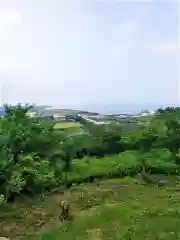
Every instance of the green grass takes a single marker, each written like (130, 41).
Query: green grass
(114, 209)
(134, 212)
(65, 125)
(128, 220)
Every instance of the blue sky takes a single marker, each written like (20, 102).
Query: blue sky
(72, 53)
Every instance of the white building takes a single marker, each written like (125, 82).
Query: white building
(59, 117)
(31, 114)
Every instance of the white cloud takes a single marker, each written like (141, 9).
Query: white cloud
(167, 48)
(9, 17)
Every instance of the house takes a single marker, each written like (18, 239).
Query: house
(32, 114)
(46, 116)
(59, 117)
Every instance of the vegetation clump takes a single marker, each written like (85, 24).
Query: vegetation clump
(38, 158)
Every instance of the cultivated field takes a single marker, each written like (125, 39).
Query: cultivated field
(65, 125)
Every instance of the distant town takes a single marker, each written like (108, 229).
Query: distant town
(47, 113)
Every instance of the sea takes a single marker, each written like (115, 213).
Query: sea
(107, 108)
(122, 108)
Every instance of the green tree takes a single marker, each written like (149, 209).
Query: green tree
(170, 117)
(21, 134)
(26, 148)
(105, 139)
(68, 153)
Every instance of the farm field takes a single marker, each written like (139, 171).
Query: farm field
(64, 125)
(113, 209)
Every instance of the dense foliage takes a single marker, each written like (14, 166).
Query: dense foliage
(36, 157)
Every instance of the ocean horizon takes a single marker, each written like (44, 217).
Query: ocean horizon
(108, 108)
(119, 108)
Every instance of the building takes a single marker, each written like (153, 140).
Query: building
(32, 114)
(59, 117)
(46, 116)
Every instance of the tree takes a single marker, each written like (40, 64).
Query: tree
(105, 139)
(26, 148)
(25, 135)
(68, 153)
(170, 117)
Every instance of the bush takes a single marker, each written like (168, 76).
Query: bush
(160, 161)
(27, 149)
(3, 200)
(125, 164)
(38, 174)
(31, 175)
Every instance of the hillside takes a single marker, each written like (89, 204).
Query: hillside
(115, 209)
(119, 183)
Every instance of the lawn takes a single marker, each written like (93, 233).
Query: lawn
(108, 210)
(64, 125)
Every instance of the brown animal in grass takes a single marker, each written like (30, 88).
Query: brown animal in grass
(64, 205)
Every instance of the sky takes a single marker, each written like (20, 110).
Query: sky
(73, 53)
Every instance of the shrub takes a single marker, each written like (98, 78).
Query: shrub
(125, 164)
(160, 161)
(3, 200)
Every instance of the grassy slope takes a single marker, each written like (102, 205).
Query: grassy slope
(113, 209)
(137, 213)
